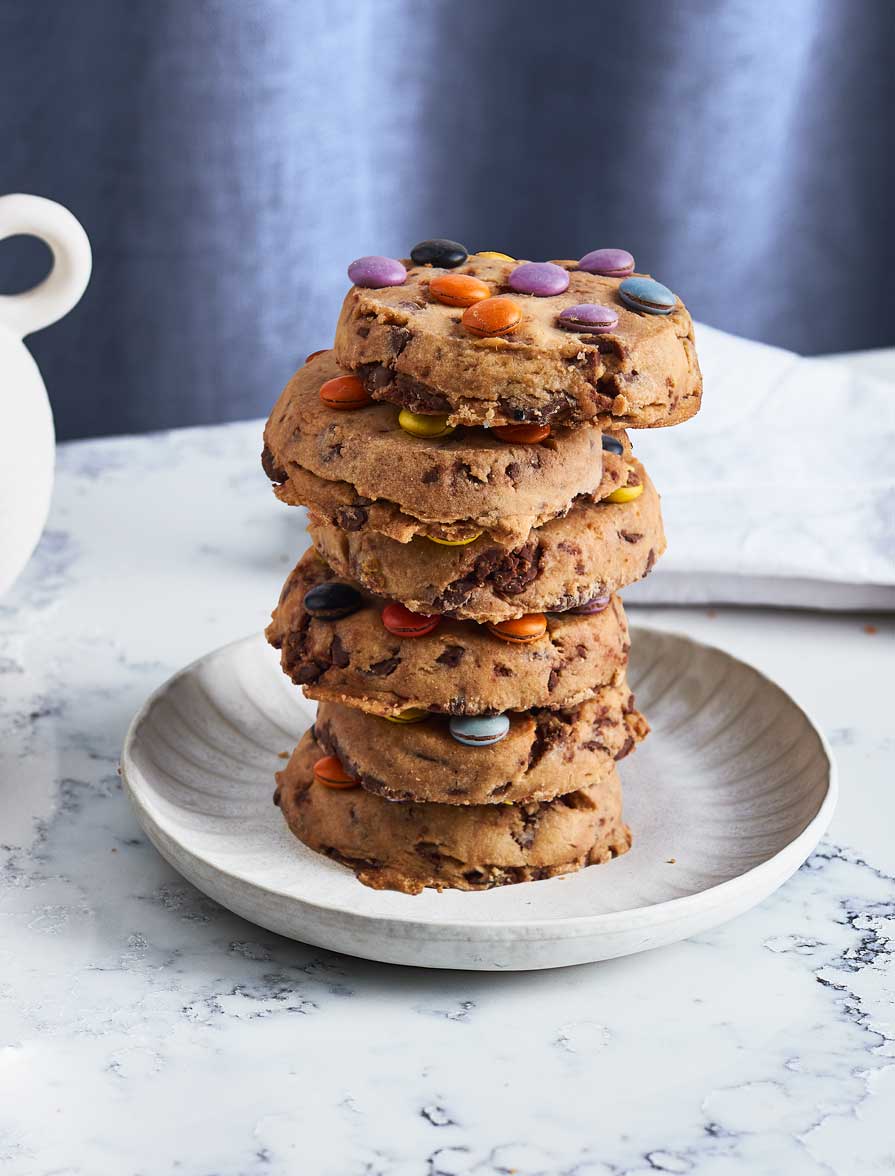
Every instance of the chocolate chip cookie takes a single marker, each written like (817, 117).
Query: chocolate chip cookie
(403, 846)
(459, 668)
(545, 754)
(413, 350)
(360, 470)
(595, 548)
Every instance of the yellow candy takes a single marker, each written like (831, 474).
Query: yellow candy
(414, 714)
(491, 253)
(419, 425)
(625, 493)
(454, 542)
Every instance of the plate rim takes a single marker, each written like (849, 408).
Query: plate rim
(569, 926)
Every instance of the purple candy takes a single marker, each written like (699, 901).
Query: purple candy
(541, 278)
(375, 271)
(597, 604)
(588, 319)
(613, 263)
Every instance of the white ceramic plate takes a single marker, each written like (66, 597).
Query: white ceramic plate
(726, 799)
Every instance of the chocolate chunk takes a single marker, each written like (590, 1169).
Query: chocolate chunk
(553, 678)
(338, 653)
(517, 569)
(276, 798)
(531, 818)
(561, 405)
(460, 469)
(309, 672)
(417, 397)
(630, 536)
(650, 561)
(382, 669)
(451, 655)
(375, 376)
(398, 338)
(510, 573)
(625, 749)
(431, 476)
(275, 472)
(350, 518)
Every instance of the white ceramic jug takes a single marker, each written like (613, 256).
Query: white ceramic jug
(27, 438)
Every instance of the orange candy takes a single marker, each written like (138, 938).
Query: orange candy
(329, 772)
(527, 434)
(458, 289)
(314, 354)
(494, 316)
(343, 393)
(522, 630)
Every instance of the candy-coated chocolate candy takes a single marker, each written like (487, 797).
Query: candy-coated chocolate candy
(420, 425)
(494, 316)
(647, 295)
(404, 623)
(526, 434)
(479, 730)
(494, 254)
(612, 445)
(344, 393)
(613, 263)
(625, 493)
(454, 542)
(596, 604)
(588, 318)
(374, 271)
(541, 278)
(458, 289)
(413, 714)
(439, 251)
(329, 771)
(522, 630)
(332, 599)
(314, 354)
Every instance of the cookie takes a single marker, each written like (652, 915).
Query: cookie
(401, 846)
(545, 753)
(594, 549)
(460, 668)
(361, 470)
(411, 349)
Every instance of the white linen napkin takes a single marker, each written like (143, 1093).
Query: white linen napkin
(781, 490)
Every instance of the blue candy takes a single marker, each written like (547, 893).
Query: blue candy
(612, 445)
(646, 295)
(480, 730)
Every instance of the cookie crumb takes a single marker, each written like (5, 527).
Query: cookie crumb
(871, 629)
(671, 861)
(283, 755)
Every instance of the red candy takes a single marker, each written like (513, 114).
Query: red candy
(404, 623)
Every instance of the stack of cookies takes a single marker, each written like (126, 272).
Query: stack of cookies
(475, 507)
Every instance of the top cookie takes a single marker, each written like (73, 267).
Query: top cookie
(621, 357)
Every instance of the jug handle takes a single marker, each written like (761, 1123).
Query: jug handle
(63, 286)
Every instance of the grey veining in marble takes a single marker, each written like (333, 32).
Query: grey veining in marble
(144, 1030)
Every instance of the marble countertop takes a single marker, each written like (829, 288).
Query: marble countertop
(144, 1030)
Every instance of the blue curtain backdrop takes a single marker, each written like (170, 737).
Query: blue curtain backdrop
(229, 157)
